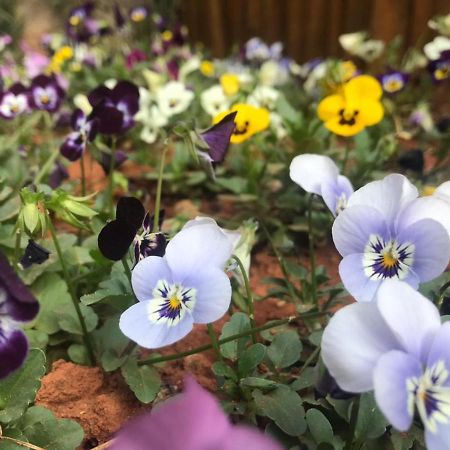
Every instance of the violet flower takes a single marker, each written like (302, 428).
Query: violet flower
(397, 347)
(393, 81)
(186, 286)
(115, 108)
(17, 305)
(150, 243)
(138, 13)
(196, 422)
(440, 68)
(318, 174)
(80, 26)
(85, 130)
(387, 232)
(14, 101)
(46, 93)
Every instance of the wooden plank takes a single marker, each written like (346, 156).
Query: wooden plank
(294, 24)
(316, 34)
(335, 25)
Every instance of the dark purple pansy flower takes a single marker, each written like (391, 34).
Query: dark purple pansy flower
(17, 304)
(150, 243)
(14, 101)
(85, 130)
(138, 13)
(58, 175)
(393, 81)
(80, 25)
(115, 108)
(412, 160)
(119, 158)
(118, 16)
(135, 56)
(218, 140)
(45, 93)
(34, 254)
(440, 68)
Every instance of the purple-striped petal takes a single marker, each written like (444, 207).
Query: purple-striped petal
(13, 349)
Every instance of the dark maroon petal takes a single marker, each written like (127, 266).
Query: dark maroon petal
(13, 351)
(115, 239)
(34, 254)
(130, 211)
(218, 137)
(110, 119)
(124, 89)
(18, 88)
(173, 68)
(98, 95)
(73, 147)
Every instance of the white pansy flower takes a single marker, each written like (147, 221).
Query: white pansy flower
(214, 100)
(357, 44)
(271, 73)
(437, 46)
(191, 65)
(264, 97)
(149, 116)
(173, 98)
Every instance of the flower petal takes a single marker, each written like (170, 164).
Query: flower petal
(363, 87)
(136, 325)
(245, 437)
(440, 350)
(336, 194)
(440, 440)
(371, 111)
(352, 343)
(388, 195)
(311, 171)
(354, 226)
(146, 274)
(344, 129)
(412, 318)
(13, 350)
(330, 106)
(357, 283)
(213, 294)
(390, 377)
(432, 248)
(195, 248)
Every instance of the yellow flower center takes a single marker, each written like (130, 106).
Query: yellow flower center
(428, 190)
(389, 261)
(74, 20)
(348, 117)
(45, 99)
(393, 85)
(207, 68)
(138, 16)
(14, 108)
(442, 73)
(174, 302)
(167, 35)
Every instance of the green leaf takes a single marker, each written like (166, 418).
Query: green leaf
(284, 407)
(250, 358)
(70, 322)
(221, 369)
(78, 354)
(19, 389)
(255, 382)
(238, 323)
(371, 423)
(144, 381)
(305, 380)
(285, 349)
(319, 426)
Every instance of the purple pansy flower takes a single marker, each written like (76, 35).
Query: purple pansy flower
(85, 130)
(150, 243)
(393, 81)
(46, 93)
(196, 421)
(397, 347)
(318, 174)
(14, 101)
(440, 68)
(387, 232)
(115, 108)
(135, 56)
(186, 286)
(80, 25)
(138, 13)
(17, 305)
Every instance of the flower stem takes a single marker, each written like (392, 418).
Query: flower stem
(46, 167)
(309, 360)
(72, 293)
(83, 176)
(159, 190)
(220, 342)
(353, 422)
(249, 296)
(214, 343)
(110, 194)
(345, 160)
(312, 254)
(17, 247)
(126, 267)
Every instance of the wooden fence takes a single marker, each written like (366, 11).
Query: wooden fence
(308, 28)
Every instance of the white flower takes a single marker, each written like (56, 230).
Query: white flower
(264, 97)
(81, 101)
(441, 24)
(173, 98)
(277, 125)
(150, 116)
(272, 73)
(357, 44)
(214, 100)
(434, 48)
(191, 65)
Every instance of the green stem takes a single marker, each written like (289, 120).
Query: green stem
(17, 247)
(312, 254)
(345, 160)
(214, 343)
(353, 422)
(220, 342)
(110, 193)
(83, 176)
(72, 293)
(46, 167)
(309, 360)
(249, 295)
(159, 191)
(126, 267)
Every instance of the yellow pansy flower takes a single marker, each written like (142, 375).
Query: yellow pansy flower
(207, 68)
(356, 106)
(230, 84)
(249, 120)
(59, 58)
(348, 70)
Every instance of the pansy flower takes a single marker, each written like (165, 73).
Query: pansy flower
(173, 98)
(14, 101)
(356, 106)
(387, 232)
(398, 348)
(85, 130)
(34, 254)
(17, 305)
(318, 174)
(440, 68)
(138, 14)
(148, 242)
(57, 175)
(45, 93)
(80, 25)
(214, 100)
(197, 422)
(249, 120)
(115, 108)
(393, 81)
(187, 285)
(105, 160)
